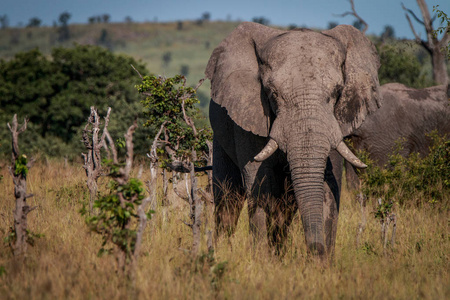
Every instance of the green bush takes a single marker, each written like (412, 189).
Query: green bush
(117, 220)
(412, 180)
(56, 93)
(164, 105)
(398, 65)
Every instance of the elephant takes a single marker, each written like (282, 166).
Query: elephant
(281, 103)
(406, 113)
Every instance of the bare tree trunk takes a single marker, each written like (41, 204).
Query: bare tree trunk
(433, 45)
(209, 187)
(165, 200)
(153, 156)
(122, 179)
(386, 220)
(196, 209)
(394, 228)
(362, 226)
(93, 144)
(19, 172)
(439, 66)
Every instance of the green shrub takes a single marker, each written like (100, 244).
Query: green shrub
(117, 220)
(55, 93)
(398, 65)
(165, 98)
(412, 180)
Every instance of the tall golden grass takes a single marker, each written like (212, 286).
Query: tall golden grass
(64, 264)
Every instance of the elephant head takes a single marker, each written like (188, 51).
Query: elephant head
(304, 91)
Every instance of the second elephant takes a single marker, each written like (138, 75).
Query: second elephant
(406, 113)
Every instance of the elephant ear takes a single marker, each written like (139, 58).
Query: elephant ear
(234, 73)
(360, 95)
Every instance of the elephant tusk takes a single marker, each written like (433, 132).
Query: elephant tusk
(268, 150)
(348, 155)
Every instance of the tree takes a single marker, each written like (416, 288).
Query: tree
(360, 21)
(19, 236)
(206, 16)
(400, 66)
(34, 22)
(179, 25)
(184, 70)
(56, 93)
(388, 33)
(64, 18)
(358, 25)
(432, 44)
(444, 28)
(14, 36)
(104, 39)
(106, 18)
(261, 20)
(332, 24)
(63, 30)
(169, 105)
(94, 142)
(4, 22)
(122, 213)
(167, 58)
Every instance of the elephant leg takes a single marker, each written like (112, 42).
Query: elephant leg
(280, 214)
(265, 204)
(256, 194)
(228, 191)
(332, 187)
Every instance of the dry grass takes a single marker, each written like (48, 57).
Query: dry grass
(64, 264)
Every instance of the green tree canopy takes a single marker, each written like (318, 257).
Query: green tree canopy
(56, 93)
(398, 65)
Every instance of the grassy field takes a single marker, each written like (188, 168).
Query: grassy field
(63, 264)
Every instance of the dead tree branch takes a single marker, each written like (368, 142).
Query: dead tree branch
(143, 207)
(355, 14)
(362, 226)
(137, 72)
(125, 171)
(432, 44)
(153, 156)
(412, 14)
(93, 144)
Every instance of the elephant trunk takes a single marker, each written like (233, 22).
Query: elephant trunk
(307, 133)
(307, 153)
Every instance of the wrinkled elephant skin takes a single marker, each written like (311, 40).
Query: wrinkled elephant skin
(407, 114)
(281, 103)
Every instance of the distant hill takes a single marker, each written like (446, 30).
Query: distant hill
(166, 49)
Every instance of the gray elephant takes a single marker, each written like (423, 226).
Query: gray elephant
(282, 101)
(406, 113)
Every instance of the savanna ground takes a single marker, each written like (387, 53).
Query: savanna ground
(64, 263)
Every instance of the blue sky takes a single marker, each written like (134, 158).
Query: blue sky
(310, 13)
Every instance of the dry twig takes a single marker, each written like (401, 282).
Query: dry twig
(355, 14)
